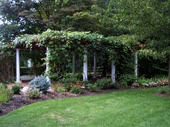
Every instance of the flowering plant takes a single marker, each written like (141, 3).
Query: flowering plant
(33, 93)
(135, 84)
(153, 84)
(160, 83)
(165, 82)
(145, 84)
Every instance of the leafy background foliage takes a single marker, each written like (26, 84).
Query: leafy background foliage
(128, 22)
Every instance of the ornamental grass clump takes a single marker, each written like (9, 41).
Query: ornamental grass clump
(5, 94)
(41, 83)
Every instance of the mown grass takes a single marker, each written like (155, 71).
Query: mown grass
(128, 108)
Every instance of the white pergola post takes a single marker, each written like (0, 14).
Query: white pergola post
(113, 71)
(85, 69)
(29, 62)
(47, 64)
(95, 68)
(73, 68)
(17, 66)
(136, 64)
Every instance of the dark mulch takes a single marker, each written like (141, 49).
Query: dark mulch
(19, 100)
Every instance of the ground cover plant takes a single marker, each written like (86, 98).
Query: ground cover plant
(155, 81)
(134, 107)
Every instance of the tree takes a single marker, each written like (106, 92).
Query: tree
(103, 11)
(55, 14)
(149, 22)
(83, 21)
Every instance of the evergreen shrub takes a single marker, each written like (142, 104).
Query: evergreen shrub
(41, 83)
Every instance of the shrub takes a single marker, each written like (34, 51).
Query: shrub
(135, 84)
(68, 80)
(92, 87)
(60, 88)
(16, 88)
(86, 82)
(123, 84)
(104, 83)
(78, 76)
(40, 83)
(67, 86)
(76, 89)
(33, 93)
(116, 85)
(5, 93)
(127, 78)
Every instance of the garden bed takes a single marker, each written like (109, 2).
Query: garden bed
(19, 100)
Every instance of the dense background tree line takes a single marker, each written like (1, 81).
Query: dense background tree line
(145, 22)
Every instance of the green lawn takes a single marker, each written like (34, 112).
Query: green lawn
(128, 108)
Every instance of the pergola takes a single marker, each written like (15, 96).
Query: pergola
(41, 41)
(136, 49)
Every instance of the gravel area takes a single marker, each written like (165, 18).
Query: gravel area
(26, 78)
